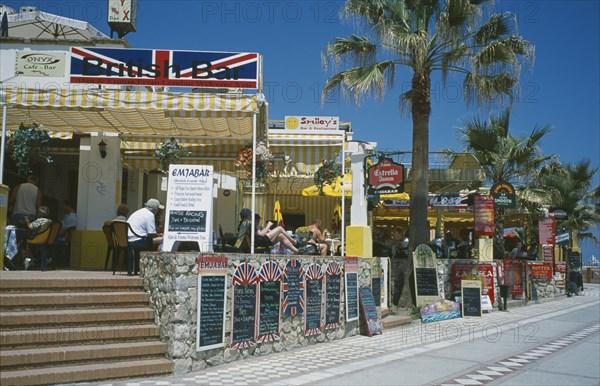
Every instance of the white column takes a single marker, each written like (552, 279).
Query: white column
(99, 179)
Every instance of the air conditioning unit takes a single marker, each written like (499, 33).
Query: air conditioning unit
(28, 9)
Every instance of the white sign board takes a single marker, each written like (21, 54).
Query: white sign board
(189, 208)
(37, 63)
(303, 124)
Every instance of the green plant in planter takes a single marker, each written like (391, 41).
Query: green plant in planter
(328, 173)
(27, 144)
(168, 152)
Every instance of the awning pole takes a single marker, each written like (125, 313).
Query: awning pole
(253, 200)
(343, 192)
(4, 107)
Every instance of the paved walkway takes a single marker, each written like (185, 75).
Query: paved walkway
(318, 362)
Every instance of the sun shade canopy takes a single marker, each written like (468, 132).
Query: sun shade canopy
(133, 112)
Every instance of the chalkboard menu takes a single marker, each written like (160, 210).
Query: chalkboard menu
(293, 290)
(471, 298)
(269, 308)
(187, 221)
(332, 301)
(244, 314)
(376, 289)
(351, 296)
(370, 323)
(211, 315)
(313, 307)
(426, 281)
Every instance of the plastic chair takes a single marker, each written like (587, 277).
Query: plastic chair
(43, 240)
(304, 235)
(110, 242)
(120, 230)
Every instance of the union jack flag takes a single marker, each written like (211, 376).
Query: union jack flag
(314, 272)
(146, 67)
(293, 295)
(333, 268)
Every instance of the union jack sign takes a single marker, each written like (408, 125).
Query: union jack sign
(145, 67)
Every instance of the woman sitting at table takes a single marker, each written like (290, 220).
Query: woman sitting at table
(317, 236)
(267, 236)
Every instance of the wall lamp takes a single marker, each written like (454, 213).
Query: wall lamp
(102, 148)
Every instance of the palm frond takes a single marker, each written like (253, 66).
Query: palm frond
(482, 89)
(363, 81)
(360, 50)
(495, 28)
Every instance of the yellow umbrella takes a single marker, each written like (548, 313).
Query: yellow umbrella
(337, 217)
(335, 190)
(277, 215)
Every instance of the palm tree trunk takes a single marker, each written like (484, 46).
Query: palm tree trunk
(419, 177)
(499, 251)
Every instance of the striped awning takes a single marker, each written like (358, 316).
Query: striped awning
(133, 112)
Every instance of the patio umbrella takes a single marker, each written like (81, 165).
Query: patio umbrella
(337, 217)
(277, 215)
(335, 190)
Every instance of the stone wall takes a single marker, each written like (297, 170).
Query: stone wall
(172, 282)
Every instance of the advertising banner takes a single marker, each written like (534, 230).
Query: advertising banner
(149, 67)
(484, 215)
(540, 272)
(189, 207)
(547, 230)
(548, 253)
(465, 271)
(504, 195)
(513, 275)
(305, 124)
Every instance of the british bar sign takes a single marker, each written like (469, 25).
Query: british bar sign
(145, 67)
(386, 177)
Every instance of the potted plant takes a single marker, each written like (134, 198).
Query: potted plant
(264, 162)
(328, 173)
(167, 153)
(29, 143)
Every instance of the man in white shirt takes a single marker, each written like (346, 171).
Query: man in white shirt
(142, 234)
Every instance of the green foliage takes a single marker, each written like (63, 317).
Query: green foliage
(168, 152)
(328, 173)
(415, 312)
(29, 143)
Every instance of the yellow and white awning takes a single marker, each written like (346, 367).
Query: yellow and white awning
(133, 112)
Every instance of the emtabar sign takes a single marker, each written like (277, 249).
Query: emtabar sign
(504, 195)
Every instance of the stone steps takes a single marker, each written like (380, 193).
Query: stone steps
(75, 326)
(70, 300)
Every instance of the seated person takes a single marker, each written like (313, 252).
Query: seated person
(122, 212)
(267, 236)
(317, 236)
(68, 221)
(144, 236)
(35, 228)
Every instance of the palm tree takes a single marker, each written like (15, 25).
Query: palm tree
(503, 157)
(424, 36)
(572, 191)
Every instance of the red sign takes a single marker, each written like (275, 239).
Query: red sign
(540, 272)
(386, 177)
(548, 252)
(464, 271)
(513, 275)
(561, 268)
(484, 215)
(212, 265)
(547, 230)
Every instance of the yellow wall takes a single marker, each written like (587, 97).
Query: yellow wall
(88, 249)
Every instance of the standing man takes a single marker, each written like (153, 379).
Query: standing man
(142, 235)
(25, 199)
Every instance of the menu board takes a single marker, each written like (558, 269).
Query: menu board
(268, 317)
(471, 298)
(293, 289)
(426, 281)
(189, 207)
(244, 314)
(370, 323)
(211, 312)
(313, 306)
(547, 230)
(483, 215)
(376, 289)
(351, 296)
(187, 221)
(333, 288)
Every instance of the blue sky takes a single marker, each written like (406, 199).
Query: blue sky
(562, 89)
